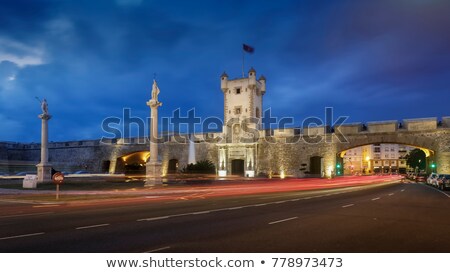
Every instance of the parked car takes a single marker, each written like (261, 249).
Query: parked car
(444, 182)
(431, 180)
(438, 179)
(420, 178)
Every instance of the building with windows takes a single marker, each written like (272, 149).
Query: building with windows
(376, 158)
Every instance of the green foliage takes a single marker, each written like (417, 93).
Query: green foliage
(416, 158)
(202, 166)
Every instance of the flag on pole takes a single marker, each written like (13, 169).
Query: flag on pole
(248, 48)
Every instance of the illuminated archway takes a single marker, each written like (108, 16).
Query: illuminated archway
(371, 161)
(134, 163)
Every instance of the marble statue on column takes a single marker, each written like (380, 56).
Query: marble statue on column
(44, 168)
(153, 167)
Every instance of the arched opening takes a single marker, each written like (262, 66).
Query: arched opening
(173, 166)
(316, 166)
(237, 167)
(386, 158)
(134, 163)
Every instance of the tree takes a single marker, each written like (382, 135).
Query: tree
(202, 166)
(416, 159)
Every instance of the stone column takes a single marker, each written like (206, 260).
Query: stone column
(153, 167)
(44, 169)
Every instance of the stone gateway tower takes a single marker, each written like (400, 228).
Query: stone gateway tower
(243, 102)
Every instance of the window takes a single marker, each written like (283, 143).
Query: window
(237, 110)
(238, 90)
(257, 112)
(377, 149)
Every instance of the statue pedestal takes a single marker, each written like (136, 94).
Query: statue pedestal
(44, 172)
(153, 174)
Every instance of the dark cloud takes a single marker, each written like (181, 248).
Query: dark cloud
(370, 60)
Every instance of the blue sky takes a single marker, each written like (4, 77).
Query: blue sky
(369, 60)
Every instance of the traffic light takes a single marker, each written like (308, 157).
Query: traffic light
(433, 165)
(338, 168)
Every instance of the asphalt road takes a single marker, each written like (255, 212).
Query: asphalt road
(390, 217)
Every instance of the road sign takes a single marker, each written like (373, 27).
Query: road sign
(58, 178)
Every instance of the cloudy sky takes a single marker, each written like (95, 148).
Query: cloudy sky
(369, 60)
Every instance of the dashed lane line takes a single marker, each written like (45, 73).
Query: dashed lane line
(158, 249)
(246, 206)
(22, 236)
(93, 226)
(376, 198)
(284, 220)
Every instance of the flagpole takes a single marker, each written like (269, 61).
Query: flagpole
(243, 56)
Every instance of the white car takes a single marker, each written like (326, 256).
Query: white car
(432, 179)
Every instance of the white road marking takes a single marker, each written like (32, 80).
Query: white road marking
(22, 236)
(93, 226)
(158, 249)
(28, 214)
(260, 205)
(391, 194)
(201, 212)
(233, 208)
(246, 206)
(375, 199)
(155, 218)
(440, 191)
(45, 206)
(403, 190)
(284, 220)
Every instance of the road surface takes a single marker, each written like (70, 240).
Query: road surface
(377, 217)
